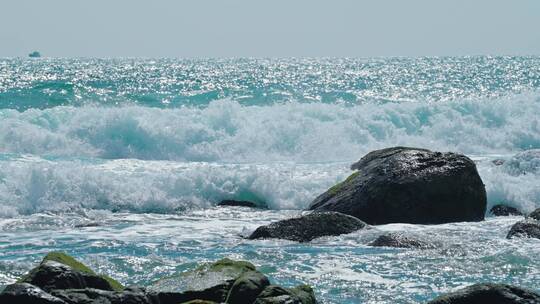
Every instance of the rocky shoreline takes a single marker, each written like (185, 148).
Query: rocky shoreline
(60, 279)
(393, 185)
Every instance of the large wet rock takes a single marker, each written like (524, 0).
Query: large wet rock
(309, 227)
(400, 240)
(211, 282)
(24, 293)
(61, 271)
(528, 228)
(503, 210)
(409, 185)
(247, 287)
(225, 281)
(490, 294)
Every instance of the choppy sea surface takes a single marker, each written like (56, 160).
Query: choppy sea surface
(121, 162)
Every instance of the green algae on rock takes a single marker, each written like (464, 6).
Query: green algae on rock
(56, 264)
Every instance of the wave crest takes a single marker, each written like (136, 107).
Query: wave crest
(229, 132)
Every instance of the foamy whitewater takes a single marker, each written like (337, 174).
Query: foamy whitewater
(121, 162)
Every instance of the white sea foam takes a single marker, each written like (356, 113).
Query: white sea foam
(165, 160)
(29, 185)
(226, 131)
(157, 186)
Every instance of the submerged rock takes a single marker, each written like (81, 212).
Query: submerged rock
(235, 203)
(84, 225)
(529, 228)
(309, 227)
(409, 185)
(399, 240)
(535, 214)
(503, 210)
(61, 271)
(489, 293)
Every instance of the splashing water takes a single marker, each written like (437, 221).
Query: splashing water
(121, 163)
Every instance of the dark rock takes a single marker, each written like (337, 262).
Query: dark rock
(503, 210)
(66, 281)
(398, 240)
(247, 287)
(211, 282)
(217, 293)
(61, 271)
(24, 293)
(84, 225)
(304, 293)
(490, 294)
(51, 275)
(535, 214)
(232, 282)
(273, 294)
(235, 203)
(283, 299)
(219, 275)
(409, 185)
(97, 296)
(529, 228)
(309, 227)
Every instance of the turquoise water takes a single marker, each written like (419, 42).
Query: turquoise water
(146, 148)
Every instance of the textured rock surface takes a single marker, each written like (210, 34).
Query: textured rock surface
(225, 281)
(79, 267)
(24, 293)
(273, 294)
(503, 210)
(527, 228)
(90, 295)
(399, 240)
(309, 227)
(489, 294)
(409, 185)
(53, 275)
(59, 269)
(247, 287)
(535, 214)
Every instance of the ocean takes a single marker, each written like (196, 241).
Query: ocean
(121, 163)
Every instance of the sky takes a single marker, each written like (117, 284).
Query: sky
(272, 28)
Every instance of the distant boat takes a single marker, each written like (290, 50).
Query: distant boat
(34, 54)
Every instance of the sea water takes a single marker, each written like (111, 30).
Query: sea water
(121, 162)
